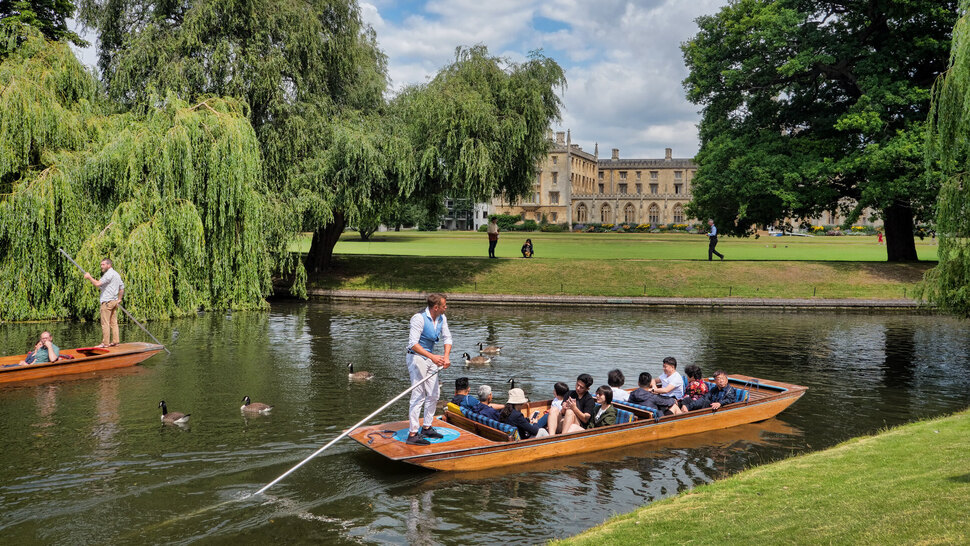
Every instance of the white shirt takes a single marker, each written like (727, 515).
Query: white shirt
(676, 380)
(111, 284)
(417, 326)
(620, 395)
(556, 403)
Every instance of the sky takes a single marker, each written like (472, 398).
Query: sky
(624, 68)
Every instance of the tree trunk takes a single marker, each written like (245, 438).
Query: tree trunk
(900, 241)
(324, 239)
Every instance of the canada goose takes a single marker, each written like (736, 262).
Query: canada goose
(469, 361)
(255, 407)
(489, 350)
(358, 376)
(511, 383)
(173, 418)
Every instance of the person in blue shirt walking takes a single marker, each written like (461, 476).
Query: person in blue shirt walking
(426, 329)
(712, 235)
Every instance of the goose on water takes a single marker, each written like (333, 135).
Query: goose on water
(358, 376)
(254, 407)
(475, 361)
(174, 417)
(511, 383)
(489, 350)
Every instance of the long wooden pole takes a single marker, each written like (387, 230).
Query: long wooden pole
(66, 255)
(346, 432)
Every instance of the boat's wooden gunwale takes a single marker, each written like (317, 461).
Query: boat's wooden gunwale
(120, 356)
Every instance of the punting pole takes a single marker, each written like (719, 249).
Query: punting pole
(66, 255)
(346, 432)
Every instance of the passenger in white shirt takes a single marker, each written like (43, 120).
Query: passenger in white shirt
(615, 380)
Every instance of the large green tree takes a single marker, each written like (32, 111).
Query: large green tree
(948, 160)
(48, 16)
(812, 106)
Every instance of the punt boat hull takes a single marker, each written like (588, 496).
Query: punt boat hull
(465, 448)
(85, 359)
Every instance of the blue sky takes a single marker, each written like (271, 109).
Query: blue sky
(622, 59)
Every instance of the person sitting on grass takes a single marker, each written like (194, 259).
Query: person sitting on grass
(553, 418)
(721, 394)
(527, 249)
(44, 351)
(615, 380)
(641, 395)
(696, 395)
(511, 414)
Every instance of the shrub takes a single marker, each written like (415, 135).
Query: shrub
(528, 225)
(506, 222)
(551, 228)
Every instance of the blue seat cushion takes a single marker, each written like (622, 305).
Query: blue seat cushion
(654, 411)
(623, 416)
(488, 421)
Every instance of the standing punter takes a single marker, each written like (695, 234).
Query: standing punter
(112, 290)
(427, 328)
(712, 235)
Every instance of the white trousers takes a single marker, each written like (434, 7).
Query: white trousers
(425, 397)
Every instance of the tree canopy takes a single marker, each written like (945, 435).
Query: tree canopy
(948, 160)
(48, 16)
(812, 106)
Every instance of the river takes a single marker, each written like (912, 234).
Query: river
(87, 460)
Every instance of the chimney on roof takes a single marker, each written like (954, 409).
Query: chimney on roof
(616, 153)
(549, 133)
(561, 137)
(668, 154)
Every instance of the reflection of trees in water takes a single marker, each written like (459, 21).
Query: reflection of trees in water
(421, 520)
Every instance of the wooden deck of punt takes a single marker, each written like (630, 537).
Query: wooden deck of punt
(478, 447)
(86, 359)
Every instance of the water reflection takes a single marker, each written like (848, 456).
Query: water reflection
(100, 468)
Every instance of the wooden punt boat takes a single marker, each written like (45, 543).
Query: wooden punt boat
(469, 445)
(81, 360)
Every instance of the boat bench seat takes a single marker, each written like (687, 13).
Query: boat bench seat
(654, 411)
(489, 422)
(624, 416)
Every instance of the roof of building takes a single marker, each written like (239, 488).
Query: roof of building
(676, 163)
(577, 151)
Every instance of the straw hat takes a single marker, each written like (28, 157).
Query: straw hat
(517, 396)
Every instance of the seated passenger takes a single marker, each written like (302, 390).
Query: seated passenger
(671, 387)
(642, 395)
(578, 408)
(605, 415)
(553, 418)
(462, 398)
(615, 380)
(44, 351)
(721, 393)
(511, 414)
(696, 395)
(485, 406)
(527, 249)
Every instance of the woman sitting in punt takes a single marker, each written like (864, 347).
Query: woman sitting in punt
(511, 414)
(605, 415)
(695, 396)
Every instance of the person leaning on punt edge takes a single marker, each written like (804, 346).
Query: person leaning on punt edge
(112, 290)
(426, 329)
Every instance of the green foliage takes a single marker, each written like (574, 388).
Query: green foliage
(948, 160)
(174, 194)
(48, 16)
(506, 222)
(812, 106)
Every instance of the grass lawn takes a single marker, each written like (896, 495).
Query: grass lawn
(633, 246)
(624, 265)
(908, 485)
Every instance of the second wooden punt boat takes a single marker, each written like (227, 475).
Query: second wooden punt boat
(472, 445)
(81, 360)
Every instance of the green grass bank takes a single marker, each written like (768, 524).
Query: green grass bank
(907, 485)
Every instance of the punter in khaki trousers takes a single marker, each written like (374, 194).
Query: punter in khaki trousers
(112, 290)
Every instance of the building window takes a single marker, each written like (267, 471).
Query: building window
(539, 179)
(654, 188)
(605, 216)
(535, 197)
(639, 189)
(622, 175)
(622, 188)
(555, 159)
(555, 178)
(678, 188)
(629, 213)
(678, 175)
(638, 175)
(553, 216)
(678, 214)
(601, 175)
(582, 214)
(553, 198)
(653, 214)
(602, 187)
(654, 174)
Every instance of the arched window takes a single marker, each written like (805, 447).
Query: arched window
(582, 215)
(678, 214)
(605, 215)
(629, 213)
(653, 214)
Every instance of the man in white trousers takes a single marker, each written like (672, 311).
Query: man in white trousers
(427, 328)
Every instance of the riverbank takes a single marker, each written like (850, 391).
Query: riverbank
(622, 278)
(910, 484)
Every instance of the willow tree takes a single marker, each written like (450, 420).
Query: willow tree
(948, 160)
(173, 193)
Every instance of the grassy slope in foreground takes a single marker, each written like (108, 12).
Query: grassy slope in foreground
(623, 278)
(908, 485)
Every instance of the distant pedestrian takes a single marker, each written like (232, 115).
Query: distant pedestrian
(879, 237)
(712, 236)
(112, 290)
(492, 236)
(527, 250)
